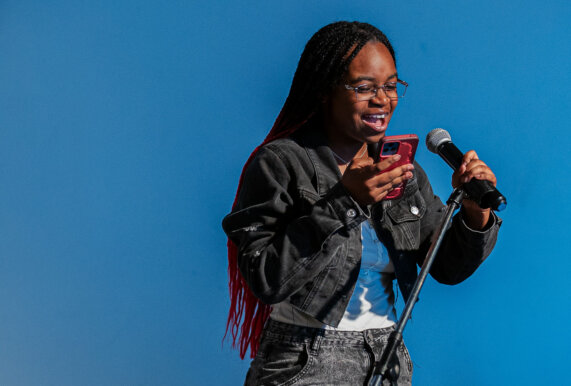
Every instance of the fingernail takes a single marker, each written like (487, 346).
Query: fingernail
(397, 157)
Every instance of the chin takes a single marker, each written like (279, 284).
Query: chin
(376, 137)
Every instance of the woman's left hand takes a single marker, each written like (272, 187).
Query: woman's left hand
(473, 167)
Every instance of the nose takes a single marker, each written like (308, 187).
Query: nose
(381, 98)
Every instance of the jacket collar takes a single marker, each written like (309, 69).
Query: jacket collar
(327, 172)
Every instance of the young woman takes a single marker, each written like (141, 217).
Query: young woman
(313, 246)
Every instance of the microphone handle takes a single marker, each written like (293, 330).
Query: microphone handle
(485, 194)
(451, 154)
(481, 191)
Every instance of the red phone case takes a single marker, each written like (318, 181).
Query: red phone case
(405, 145)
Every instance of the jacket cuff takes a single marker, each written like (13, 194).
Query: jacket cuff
(481, 235)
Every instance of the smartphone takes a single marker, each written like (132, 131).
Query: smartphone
(405, 145)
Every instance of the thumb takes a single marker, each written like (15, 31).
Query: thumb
(360, 161)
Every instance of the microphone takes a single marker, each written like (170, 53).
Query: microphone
(481, 191)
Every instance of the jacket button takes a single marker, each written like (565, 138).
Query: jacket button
(351, 213)
(414, 210)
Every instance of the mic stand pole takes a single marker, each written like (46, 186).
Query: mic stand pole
(388, 367)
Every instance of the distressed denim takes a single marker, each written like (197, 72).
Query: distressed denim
(295, 355)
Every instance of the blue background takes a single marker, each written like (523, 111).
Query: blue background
(123, 130)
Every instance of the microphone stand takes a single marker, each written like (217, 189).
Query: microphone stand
(388, 365)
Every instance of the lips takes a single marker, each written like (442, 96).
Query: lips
(377, 122)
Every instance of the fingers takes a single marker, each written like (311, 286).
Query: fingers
(385, 164)
(472, 167)
(469, 156)
(478, 170)
(371, 169)
(359, 163)
(377, 194)
(381, 184)
(392, 177)
(368, 183)
(466, 159)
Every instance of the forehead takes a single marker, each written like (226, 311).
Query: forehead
(373, 62)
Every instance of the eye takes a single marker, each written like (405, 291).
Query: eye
(392, 86)
(364, 89)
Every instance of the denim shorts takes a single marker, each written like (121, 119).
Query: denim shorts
(295, 355)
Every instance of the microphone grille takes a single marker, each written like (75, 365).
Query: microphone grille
(436, 138)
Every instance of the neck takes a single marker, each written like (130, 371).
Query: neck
(342, 145)
(345, 153)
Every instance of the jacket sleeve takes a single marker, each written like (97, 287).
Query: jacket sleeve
(282, 243)
(463, 249)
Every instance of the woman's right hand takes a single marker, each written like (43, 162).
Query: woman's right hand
(366, 182)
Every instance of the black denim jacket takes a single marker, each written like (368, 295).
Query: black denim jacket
(298, 230)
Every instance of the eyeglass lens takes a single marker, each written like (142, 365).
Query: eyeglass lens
(391, 90)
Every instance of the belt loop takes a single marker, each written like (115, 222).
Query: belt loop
(316, 341)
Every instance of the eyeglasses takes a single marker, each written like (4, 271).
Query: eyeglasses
(366, 92)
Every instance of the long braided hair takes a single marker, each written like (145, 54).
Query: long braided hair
(323, 63)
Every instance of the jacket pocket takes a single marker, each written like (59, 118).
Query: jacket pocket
(405, 216)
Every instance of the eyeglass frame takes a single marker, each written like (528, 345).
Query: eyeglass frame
(377, 88)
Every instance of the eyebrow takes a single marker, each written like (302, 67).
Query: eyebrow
(370, 78)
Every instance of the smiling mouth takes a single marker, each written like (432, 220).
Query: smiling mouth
(376, 121)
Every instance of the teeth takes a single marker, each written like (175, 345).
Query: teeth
(378, 116)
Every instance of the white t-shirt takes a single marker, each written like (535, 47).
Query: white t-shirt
(372, 302)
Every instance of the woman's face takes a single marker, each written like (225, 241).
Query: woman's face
(349, 121)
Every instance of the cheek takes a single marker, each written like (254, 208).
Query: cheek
(359, 108)
(350, 111)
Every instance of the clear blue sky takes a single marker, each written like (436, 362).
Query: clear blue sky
(124, 126)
